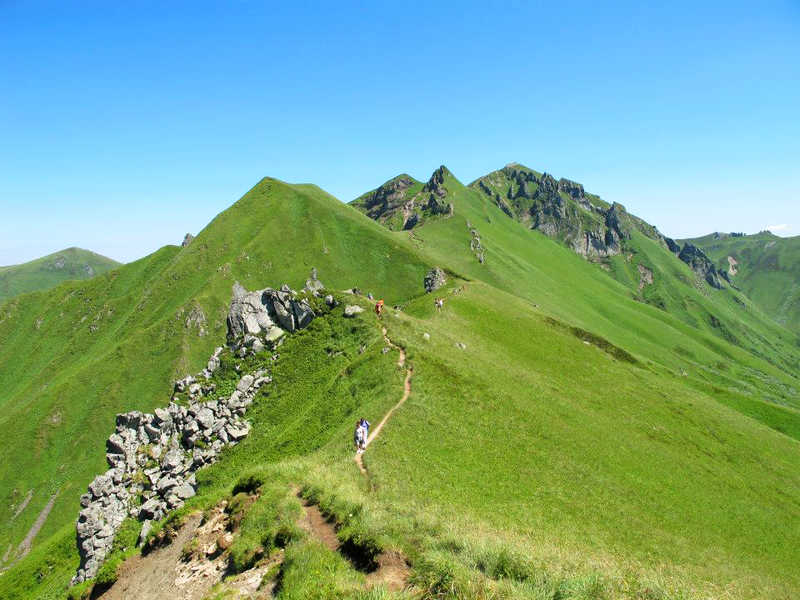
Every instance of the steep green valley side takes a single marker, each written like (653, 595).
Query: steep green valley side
(764, 266)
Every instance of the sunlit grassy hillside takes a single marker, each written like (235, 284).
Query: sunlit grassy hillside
(569, 433)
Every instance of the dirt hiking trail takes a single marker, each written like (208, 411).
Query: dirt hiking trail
(389, 568)
(401, 361)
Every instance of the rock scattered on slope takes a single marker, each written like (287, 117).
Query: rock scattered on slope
(351, 310)
(153, 457)
(434, 279)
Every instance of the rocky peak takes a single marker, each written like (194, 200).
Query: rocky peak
(572, 188)
(435, 184)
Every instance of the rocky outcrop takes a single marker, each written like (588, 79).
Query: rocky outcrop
(563, 210)
(385, 199)
(645, 276)
(153, 457)
(259, 319)
(700, 264)
(401, 204)
(434, 279)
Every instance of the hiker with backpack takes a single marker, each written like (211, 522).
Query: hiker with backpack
(379, 309)
(439, 303)
(360, 438)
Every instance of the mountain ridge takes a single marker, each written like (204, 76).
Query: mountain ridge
(530, 346)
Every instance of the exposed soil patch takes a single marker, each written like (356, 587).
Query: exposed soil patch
(313, 523)
(387, 568)
(158, 575)
(392, 571)
(189, 565)
(732, 262)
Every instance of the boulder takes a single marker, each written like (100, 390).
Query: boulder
(434, 279)
(205, 418)
(184, 491)
(314, 285)
(351, 310)
(244, 383)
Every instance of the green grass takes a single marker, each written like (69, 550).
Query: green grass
(47, 272)
(590, 440)
(767, 271)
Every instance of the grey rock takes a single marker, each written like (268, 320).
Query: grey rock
(184, 491)
(244, 383)
(303, 314)
(351, 310)
(314, 285)
(146, 527)
(330, 301)
(115, 444)
(205, 417)
(434, 279)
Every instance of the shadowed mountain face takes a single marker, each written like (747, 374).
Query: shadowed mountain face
(764, 266)
(48, 271)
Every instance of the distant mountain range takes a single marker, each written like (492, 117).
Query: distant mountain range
(50, 270)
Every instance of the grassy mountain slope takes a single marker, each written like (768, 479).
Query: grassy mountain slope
(584, 442)
(72, 358)
(765, 267)
(528, 264)
(48, 271)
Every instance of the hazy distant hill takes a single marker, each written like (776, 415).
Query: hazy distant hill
(50, 270)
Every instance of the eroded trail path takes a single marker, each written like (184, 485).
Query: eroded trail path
(401, 361)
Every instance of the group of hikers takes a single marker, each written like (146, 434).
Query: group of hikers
(438, 303)
(361, 435)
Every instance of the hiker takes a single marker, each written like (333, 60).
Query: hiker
(365, 424)
(360, 438)
(379, 309)
(439, 302)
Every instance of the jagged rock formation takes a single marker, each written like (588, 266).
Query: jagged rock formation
(262, 317)
(153, 457)
(561, 209)
(403, 203)
(434, 279)
(702, 265)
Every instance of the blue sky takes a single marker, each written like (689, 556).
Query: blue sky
(125, 125)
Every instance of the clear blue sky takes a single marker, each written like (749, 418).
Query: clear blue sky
(124, 125)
